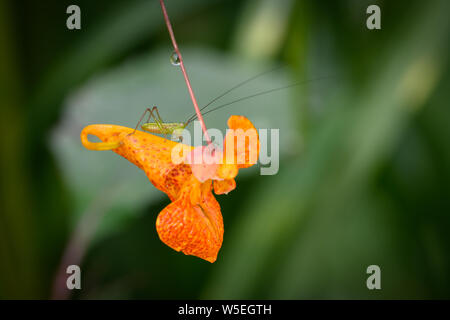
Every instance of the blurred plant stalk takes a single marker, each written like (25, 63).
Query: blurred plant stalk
(18, 262)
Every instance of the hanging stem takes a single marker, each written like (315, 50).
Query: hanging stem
(183, 69)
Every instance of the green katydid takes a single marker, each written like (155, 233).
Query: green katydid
(176, 128)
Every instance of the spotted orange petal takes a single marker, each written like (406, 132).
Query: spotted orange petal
(224, 186)
(195, 229)
(150, 153)
(244, 140)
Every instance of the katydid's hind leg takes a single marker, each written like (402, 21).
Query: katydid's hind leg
(154, 114)
(151, 114)
(159, 121)
(150, 111)
(157, 114)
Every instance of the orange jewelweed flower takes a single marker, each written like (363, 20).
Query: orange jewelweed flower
(192, 222)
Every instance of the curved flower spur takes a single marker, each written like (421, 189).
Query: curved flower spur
(192, 222)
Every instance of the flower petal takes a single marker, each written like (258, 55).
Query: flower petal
(193, 229)
(150, 153)
(224, 186)
(243, 139)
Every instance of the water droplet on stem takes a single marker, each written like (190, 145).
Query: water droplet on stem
(174, 59)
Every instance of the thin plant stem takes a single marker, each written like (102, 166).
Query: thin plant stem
(183, 69)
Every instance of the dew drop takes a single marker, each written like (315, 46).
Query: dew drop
(174, 59)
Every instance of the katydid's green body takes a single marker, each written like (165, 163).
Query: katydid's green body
(163, 127)
(159, 126)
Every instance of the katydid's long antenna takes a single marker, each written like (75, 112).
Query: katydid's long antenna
(191, 118)
(256, 95)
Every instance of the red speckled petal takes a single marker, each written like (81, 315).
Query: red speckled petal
(151, 153)
(224, 186)
(194, 229)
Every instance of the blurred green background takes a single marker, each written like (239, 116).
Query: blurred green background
(364, 154)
